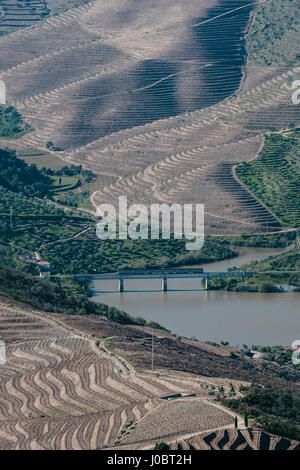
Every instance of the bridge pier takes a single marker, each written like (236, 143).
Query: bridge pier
(164, 275)
(164, 284)
(205, 283)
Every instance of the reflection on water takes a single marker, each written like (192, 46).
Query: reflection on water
(246, 255)
(240, 318)
(236, 317)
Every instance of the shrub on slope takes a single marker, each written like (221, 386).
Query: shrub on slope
(11, 124)
(53, 298)
(16, 175)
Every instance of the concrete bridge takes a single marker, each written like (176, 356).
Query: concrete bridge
(163, 274)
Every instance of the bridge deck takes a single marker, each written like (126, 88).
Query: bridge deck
(162, 275)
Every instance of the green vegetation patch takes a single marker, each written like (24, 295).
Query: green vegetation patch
(18, 177)
(270, 240)
(275, 34)
(11, 123)
(286, 272)
(22, 205)
(88, 254)
(289, 261)
(274, 177)
(80, 197)
(277, 411)
(32, 233)
(277, 353)
(53, 298)
(287, 266)
(63, 183)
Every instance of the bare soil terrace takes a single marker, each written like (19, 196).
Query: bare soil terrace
(20, 14)
(188, 356)
(78, 76)
(236, 439)
(59, 389)
(68, 383)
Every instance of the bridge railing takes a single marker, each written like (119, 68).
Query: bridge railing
(164, 275)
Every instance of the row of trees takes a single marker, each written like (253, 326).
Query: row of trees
(70, 170)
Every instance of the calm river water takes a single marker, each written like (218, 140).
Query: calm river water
(240, 318)
(236, 317)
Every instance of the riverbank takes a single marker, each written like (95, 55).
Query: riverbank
(215, 315)
(180, 354)
(275, 274)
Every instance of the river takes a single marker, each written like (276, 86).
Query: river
(240, 318)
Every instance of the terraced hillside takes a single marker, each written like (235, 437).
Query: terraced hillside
(238, 439)
(274, 177)
(136, 92)
(188, 356)
(176, 418)
(20, 14)
(122, 73)
(60, 389)
(60, 6)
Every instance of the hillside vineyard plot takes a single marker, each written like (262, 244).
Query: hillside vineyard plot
(60, 389)
(274, 176)
(22, 13)
(234, 439)
(155, 94)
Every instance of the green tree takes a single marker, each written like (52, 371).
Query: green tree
(246, 418)
(162, 446)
